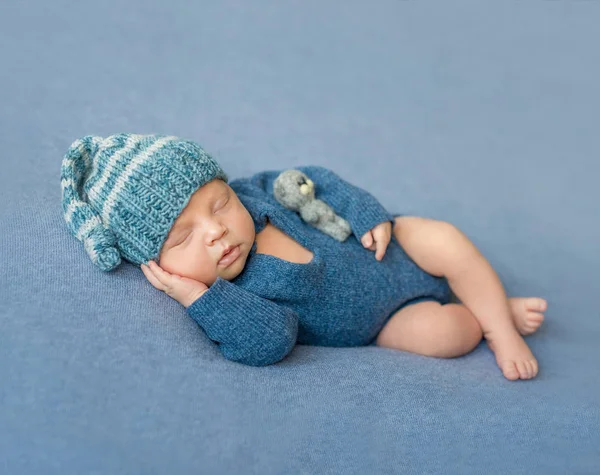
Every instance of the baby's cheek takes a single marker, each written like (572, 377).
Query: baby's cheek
(205, 270)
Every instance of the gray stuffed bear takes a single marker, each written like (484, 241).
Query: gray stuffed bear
(295, 191)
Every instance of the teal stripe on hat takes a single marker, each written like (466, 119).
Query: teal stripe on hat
(75, 164)
(110, 165)
(137, 160)
(110, 145)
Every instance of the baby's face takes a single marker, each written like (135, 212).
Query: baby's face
(213, 220)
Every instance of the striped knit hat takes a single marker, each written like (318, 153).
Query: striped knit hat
(122, 194)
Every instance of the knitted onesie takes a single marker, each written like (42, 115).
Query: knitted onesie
(343, 297)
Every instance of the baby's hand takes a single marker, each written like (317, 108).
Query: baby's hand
(378, 238)
(185, 291)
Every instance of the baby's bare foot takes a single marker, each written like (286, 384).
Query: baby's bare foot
(513, 356)
(527, 314)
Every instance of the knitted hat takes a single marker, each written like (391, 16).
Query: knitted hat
(122, 194)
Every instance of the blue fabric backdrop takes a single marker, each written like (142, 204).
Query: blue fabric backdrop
(482, 114)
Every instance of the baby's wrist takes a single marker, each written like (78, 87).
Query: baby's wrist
(194, 298)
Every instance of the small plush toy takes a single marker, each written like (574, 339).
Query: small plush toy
(295, 191)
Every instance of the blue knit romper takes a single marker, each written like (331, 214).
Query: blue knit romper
(344, 296)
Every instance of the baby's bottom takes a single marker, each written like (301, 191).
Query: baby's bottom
(429, 328)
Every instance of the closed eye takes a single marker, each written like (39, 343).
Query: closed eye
(189, 234)
(224, 204)
(182, 241)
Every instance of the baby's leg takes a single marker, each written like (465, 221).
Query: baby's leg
(432, 329)
(441, 249)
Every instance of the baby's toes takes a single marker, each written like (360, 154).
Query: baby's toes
(510, 371)
(536, 304)
(529, 326)
(534, 320)
(523, 369)
(534, 368)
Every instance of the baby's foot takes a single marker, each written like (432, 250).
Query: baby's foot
(513, 356)
(527, 314)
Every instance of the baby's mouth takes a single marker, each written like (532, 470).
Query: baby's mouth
(230, 256)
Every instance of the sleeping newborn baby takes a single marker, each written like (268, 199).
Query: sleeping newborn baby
(260, 275)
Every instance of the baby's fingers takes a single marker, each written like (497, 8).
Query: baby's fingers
(382, 239)
(381, 248)
(151, 278)
(157, 277)
(367, 240)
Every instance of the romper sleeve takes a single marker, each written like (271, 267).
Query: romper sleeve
(356, 205)
(248, 329)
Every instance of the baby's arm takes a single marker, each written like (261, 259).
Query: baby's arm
(356, 205)
(249, 329)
